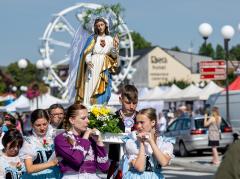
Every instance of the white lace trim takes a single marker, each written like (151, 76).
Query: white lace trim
(90, 155)
(75, 147)
(102, 159)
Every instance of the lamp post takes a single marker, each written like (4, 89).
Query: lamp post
(205, 30)
(227, 32)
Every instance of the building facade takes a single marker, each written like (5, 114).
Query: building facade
(156, 66)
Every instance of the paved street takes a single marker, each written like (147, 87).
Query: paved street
(182, 173)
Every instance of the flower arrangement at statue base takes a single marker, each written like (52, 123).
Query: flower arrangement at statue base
(104, 119)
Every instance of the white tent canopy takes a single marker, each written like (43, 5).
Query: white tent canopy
(189, 93)
(22, 101)
(158, 93)
(211, 88)
(142, 92)
(45, 101)
(173, 91)
(24, 104)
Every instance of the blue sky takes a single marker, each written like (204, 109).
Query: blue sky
(164, 23)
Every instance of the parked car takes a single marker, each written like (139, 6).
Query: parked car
(191, 135)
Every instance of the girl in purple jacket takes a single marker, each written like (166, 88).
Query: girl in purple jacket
(80, 149)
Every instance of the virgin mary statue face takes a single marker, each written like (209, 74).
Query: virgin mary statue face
(100, 25)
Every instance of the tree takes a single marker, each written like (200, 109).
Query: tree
(220, 53)
(176, 48)
(235, 53)
(27, 77)
(139, 41)
(206, 50)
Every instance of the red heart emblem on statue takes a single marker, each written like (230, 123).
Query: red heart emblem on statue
(102, 43)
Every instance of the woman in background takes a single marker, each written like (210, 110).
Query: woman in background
(213, 123)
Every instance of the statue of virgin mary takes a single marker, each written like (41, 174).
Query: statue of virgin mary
(97, 61)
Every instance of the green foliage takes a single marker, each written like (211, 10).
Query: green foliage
(235, 53)
(206, 50)
(176, 48)
(3, 87)
(116, 9)
(180, 83)
(108, 125)
(139, 41)
(24, 76)
(220, 53)
(27, 76)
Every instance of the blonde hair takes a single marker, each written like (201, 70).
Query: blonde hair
(150, 113)
(216, 114)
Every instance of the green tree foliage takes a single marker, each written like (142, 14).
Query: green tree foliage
(139, 41)
(176, 48)
(220, 53)
(24, 76)
(206, 50)
(180, 83)
(235, 53)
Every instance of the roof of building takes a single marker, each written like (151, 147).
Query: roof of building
(185, 58)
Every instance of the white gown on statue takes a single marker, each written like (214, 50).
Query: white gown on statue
(97, 58)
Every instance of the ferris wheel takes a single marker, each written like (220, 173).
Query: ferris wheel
(58, 36)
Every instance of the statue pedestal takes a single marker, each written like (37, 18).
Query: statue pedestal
(113, 138)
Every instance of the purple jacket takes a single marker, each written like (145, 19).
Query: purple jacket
(85, 157)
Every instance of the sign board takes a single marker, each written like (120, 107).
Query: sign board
(213, 70)
(213, 64)
(213, 77)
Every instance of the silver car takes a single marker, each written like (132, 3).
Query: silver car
(191, 135)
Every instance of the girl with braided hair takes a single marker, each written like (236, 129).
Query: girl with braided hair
(147, 152)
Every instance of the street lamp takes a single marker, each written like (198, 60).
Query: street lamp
(22, 63)
(227, 32)
(205, 30)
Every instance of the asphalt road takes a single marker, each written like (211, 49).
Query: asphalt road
(182, 173)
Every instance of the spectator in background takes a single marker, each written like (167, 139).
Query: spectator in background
(183, 111)
(162, 123)
(213, 123)
(56, 114)
(171, 118)
(10, 122)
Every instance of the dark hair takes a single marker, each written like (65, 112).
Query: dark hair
(72, 112)
(14, 137)
(55, 106)
(100, 19)
(130, 92)
(39, 113)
